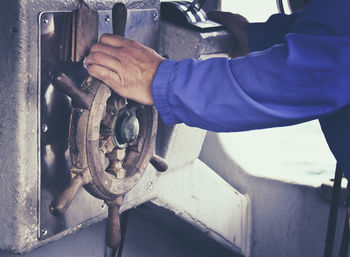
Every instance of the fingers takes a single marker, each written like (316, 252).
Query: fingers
(126, 66)
(108, 77)
(109, 50)
(108, 61)
(114, 40)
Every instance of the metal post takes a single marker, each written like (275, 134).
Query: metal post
(332, 221)
(346, 231)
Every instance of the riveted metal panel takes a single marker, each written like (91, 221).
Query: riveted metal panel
(21, 125)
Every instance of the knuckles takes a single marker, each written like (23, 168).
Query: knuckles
(95, 57)
(105, 76)
(93, 71)
(106, 37)
(94, 48)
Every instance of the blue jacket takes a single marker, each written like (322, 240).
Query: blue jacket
(298, 70)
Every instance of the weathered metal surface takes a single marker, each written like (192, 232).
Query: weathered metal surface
(55, 107)
(285, 183)
(223, 216)
(180, 43)
(84, 32)
(20, 127)
(142, 25)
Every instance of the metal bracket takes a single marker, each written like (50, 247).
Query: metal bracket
(55, 109)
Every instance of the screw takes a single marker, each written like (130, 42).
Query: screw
(45, 20)
(103, 205)
(150, 186)
(107, 19)
(155, 17)
(44, 232)
(44, 128)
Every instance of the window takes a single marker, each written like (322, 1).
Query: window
(253, 10)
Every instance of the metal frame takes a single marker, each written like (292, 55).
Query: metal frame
(333, 216)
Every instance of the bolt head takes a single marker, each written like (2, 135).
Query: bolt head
(45, 20)
(155, 17)
(44, 232)
(44, 128)
(150, 185)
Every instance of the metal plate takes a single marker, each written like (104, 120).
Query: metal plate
(55, 110)
(142, 25)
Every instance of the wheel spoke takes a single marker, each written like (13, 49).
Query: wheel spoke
(115, 158)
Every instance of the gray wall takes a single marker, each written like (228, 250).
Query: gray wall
(143, 238)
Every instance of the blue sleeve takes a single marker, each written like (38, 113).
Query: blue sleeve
(304, 78)
(266, 34)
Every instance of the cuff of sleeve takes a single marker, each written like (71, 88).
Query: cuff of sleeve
(160, 92)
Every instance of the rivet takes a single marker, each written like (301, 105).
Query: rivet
(155, 17)
(107, 19)
(44, 232)
(45, 20)
(44, 128)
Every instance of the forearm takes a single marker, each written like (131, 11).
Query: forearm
(303, 79)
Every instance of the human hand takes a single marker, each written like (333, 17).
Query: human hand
(126, 66)
(238, 26)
